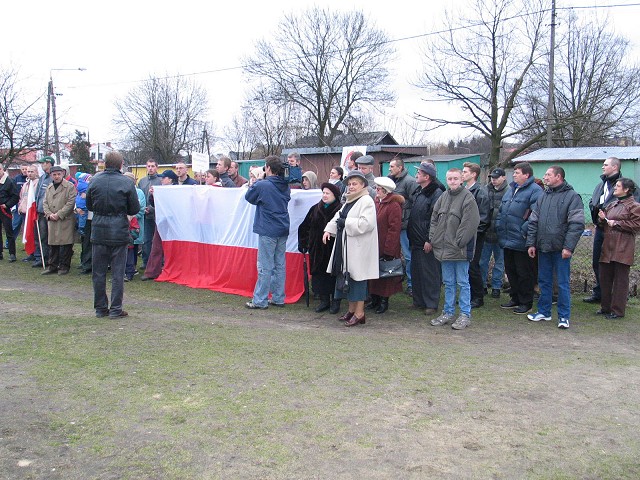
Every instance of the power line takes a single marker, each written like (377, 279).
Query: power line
(391, 41)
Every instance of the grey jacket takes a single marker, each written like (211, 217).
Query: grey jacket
(557, 220)
(454, 224)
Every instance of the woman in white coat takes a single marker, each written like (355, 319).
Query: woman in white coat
(356, 232)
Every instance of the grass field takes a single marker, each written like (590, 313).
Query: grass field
(193, 385)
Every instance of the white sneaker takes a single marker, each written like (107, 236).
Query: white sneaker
(536, 317)
(563, 323)
(442, 320)
(462, 322)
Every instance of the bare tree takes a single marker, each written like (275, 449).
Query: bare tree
(483, 64)
(163, 116)
(239, 136)
(327, 63)
(597, 93)
(22, 126)
(407, 131)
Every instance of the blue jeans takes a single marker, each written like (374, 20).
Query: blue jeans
(16, 223)
(406, 253)
(271, 270)
(149, 230)
(497, 274)
(548, 264)
(456, 273)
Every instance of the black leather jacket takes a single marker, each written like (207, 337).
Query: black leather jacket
(111, 197)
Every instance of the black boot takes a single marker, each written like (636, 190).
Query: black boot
(335, 306)
(384, 305)
(324, 304)
(374, 303)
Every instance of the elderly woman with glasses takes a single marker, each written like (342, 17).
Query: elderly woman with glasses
(356, 237)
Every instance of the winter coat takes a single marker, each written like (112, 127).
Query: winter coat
(189, 181)
(389, 215)
(271, 197)
(43, 183)
(83, 184)
(225, 180)
(60, 200)
(24, 196)
(140, 215)
(484, 206)
(406, 186)
(360, 238)
(495, 199)
(595, 205)
(620, 240)
(111, 197)
(419, 223)
(9, 193)
(513, 219)
(557, 220)
(310, 235)
(389, 221)
(454, 224)
(144, 184)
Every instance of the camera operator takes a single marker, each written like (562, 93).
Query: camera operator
(271, 222)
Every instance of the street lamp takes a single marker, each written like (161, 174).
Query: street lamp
(51, 112)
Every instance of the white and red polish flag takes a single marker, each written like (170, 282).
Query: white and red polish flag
(30, 219)
(208, 240)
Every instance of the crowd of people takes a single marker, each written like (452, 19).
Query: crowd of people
(443, 234)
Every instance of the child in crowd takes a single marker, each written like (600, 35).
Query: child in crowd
(134, 232)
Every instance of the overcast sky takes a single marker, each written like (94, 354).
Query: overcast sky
(122, 42)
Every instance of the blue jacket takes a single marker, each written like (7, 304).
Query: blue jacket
(513, 220)
(271, 197)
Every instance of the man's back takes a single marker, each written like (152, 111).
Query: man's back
(271, 197)
(111, 197)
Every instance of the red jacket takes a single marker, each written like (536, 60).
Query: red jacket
(389, 217)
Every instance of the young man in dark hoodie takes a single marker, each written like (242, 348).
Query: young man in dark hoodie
(271, 222)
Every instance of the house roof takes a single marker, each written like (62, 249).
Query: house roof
(348, 139)
(395, 149)
(441, 158)
(596, 154)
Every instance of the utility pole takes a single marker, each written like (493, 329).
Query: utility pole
(205, 141)
(551, 75)
(51, 113)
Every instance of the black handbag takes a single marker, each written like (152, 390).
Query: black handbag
(391, 268)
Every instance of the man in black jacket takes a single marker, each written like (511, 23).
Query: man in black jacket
(111, 197)
(496, 189)
(406, 186)
(425, 269)
(555, 226)
(470, 174)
